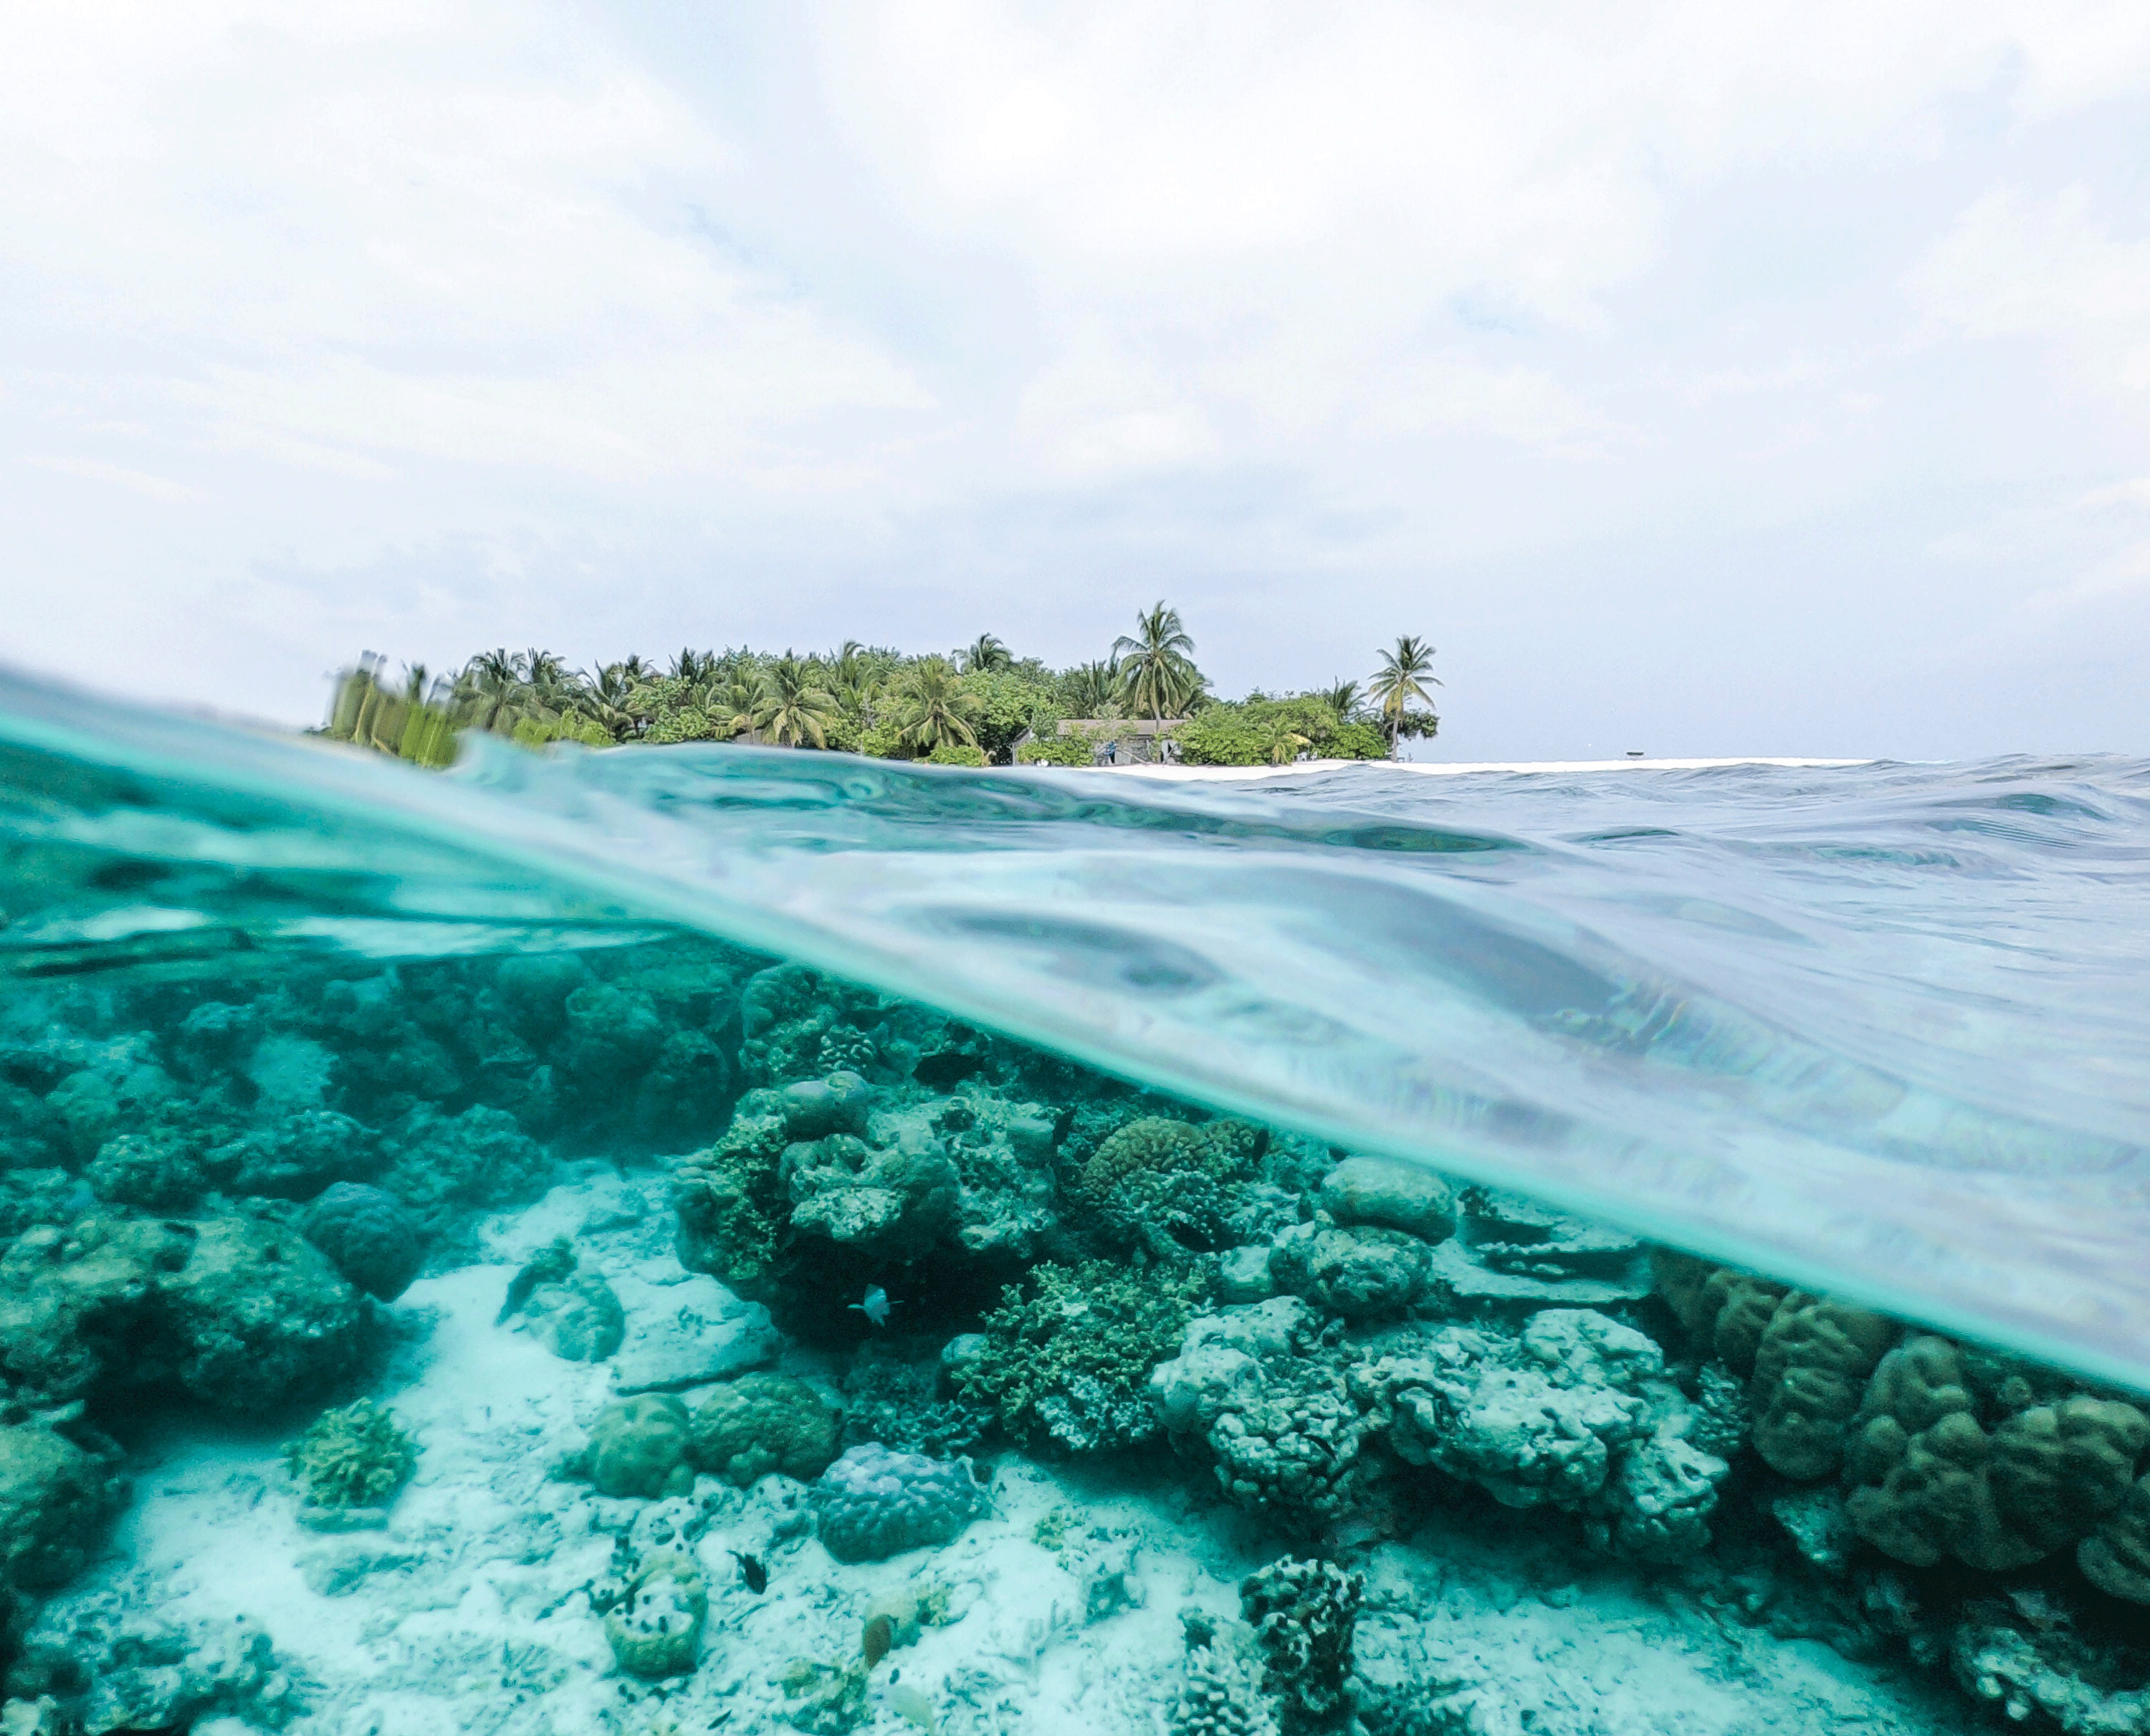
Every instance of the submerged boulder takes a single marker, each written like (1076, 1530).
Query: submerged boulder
(231, 1312)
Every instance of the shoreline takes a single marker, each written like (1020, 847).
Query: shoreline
(1460, 768)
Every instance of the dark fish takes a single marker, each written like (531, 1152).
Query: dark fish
(879, 1636)
(752, 1572)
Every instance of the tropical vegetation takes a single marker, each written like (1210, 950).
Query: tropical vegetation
(981, 704)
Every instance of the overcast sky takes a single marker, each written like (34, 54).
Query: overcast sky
(1699, 378)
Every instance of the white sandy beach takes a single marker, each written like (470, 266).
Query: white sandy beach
(1431, 768)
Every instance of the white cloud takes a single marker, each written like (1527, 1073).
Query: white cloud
(420, 326)
(2016, 265)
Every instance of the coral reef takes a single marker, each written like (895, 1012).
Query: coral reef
(1390, 1193)
(575, 1313)
(763, 1423)
(1222, 1695)
(1068, 1364)
(873, 1503)
(358, 1456)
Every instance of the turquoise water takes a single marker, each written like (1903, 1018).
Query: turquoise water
(1243, 1242)
(1881, 1029)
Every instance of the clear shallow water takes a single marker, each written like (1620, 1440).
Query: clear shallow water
(1881, 1030)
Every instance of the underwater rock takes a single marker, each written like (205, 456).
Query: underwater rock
(871, 1503)
(655, 1628)
(893, 1205)
(1303, 1614)
(147, 1675)
(827, 1699)
(479, 1158)
(639, 1447)
(1726, 1311)
(57, 1496)
(153, 1171)
(1392, 1194)
(1358, 1274)
(2055, 1673)
(1513, 1232)
(815, 1108)
(354, 1458)
(685, 1330)
(763, 1423)
(578, 1320)
(371, 1236)
(231, 1311)
(1267, 1389)
(297, 1158)
(575, 1313)
(1575, 1411)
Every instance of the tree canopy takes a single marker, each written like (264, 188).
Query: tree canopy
(981, 704)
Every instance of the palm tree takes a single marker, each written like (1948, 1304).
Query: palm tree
(793, 710)
(1342, 697)
(733, 703)
(695, 668)
(1284, 746)
(985, 654)
(1093, 689)
(1401, 680)
(493, 687)
(1157, 673)
(932, 707)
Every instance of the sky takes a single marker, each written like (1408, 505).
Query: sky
(1699, 378)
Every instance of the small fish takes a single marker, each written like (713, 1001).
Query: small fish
(910, 1700)
(876, 1306)
(751, 1569)
(879, 1635)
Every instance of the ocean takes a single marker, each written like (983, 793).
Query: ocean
(697, 1239)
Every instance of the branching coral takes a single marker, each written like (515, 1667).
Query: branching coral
(358, 1456)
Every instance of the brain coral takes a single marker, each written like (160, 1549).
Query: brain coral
(639, 1447)
(1933, 1481)
(762, 1423)
(873, 1503)
(1810, 1372)
(369, 1236)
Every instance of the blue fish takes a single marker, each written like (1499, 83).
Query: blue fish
(876, 1306)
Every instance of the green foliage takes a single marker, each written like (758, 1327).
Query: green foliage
(1082, 1336)
(358, 1456)
(1055, 750)
(1263, 731)
(1010, 701)
(950, 752)
(875, 701)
